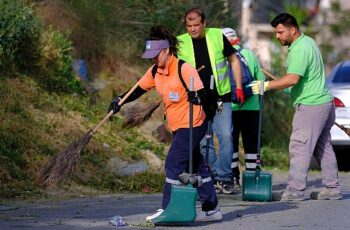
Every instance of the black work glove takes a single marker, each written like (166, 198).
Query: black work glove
(208, 103)
(115, 105)
(192, 97)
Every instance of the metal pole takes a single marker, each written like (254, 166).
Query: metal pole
(191, 130)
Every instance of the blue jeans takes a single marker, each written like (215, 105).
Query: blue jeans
(222, 127)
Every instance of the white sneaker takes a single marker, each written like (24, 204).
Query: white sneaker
(155, 215)
(213, 215)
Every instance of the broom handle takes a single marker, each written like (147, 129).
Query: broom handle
(342, 127)
(190, 168)
(261, 94)
(111, 112)
(200, 68)
(268, 74)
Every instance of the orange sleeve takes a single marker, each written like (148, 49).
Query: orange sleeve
(147, 80)
(188, 71)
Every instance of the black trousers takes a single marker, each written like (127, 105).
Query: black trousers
(246, 124)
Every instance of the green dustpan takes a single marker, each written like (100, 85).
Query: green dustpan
(182, 204)
(181, 207)
(257, 186)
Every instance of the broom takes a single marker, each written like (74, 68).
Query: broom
(65, 162)
(137, 115)
(342, 127)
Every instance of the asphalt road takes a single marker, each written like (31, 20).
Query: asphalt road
(94, 212)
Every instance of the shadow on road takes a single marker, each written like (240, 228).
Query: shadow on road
(257, 209)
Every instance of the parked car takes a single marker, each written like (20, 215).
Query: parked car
(338, 82)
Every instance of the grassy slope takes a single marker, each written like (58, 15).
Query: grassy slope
(36, 125)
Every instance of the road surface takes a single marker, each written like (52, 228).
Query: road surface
(94, 212)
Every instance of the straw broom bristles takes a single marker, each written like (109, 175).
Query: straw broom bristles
(64, 163)
(137, 115)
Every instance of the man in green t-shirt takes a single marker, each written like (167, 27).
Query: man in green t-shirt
(314, 112)
(245, 118)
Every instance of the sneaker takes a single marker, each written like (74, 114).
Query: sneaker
(237, 185)
(226, 187)
(155, 215)
(287, 195)
(326, 194)
(213, 215)
(218, 187)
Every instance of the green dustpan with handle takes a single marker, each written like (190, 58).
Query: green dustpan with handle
(257, 186)
(182, 204)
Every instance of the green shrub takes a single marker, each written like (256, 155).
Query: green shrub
(19, 36)
(274, 157)
(26, 48)
(56, 63)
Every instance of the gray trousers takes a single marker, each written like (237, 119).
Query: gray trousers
(311, 136)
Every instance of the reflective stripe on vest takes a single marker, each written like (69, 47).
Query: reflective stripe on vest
(214, 39)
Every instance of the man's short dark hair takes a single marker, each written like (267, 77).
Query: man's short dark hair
(195, 10)
(286, 20)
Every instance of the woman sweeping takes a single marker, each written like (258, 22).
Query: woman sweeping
(162, 47)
